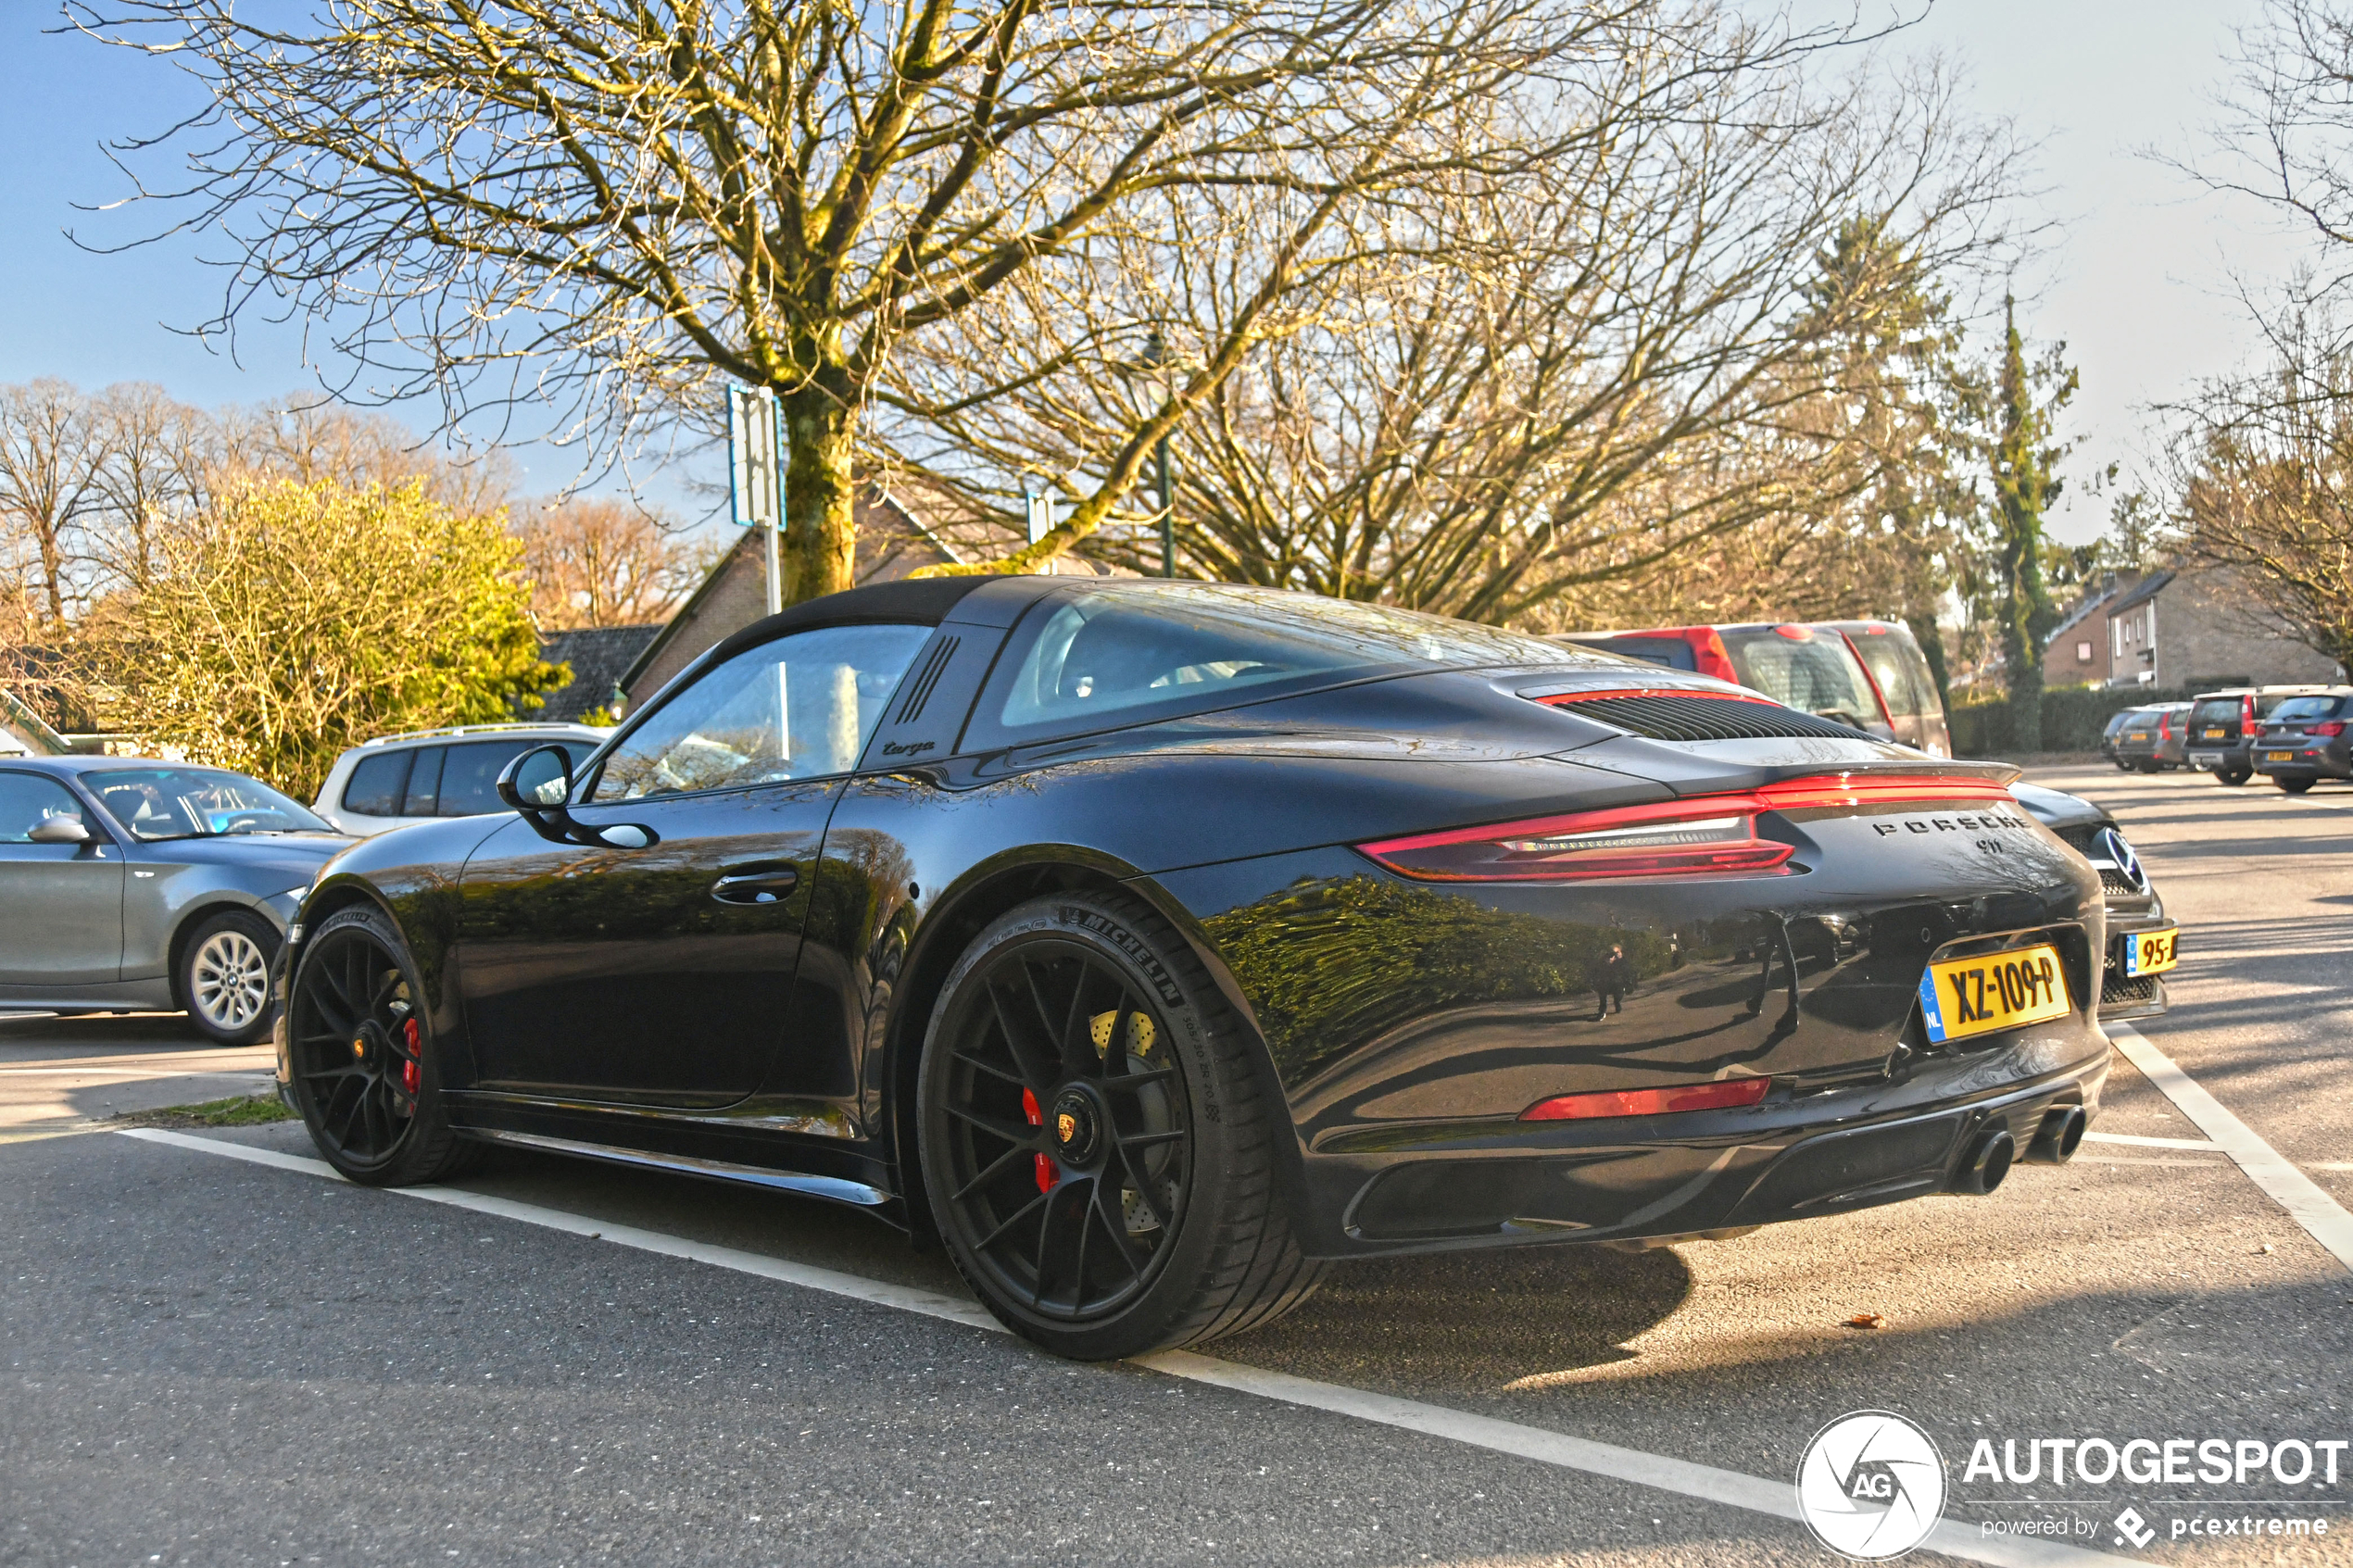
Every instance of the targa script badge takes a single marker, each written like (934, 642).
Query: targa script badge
(1871, 1486)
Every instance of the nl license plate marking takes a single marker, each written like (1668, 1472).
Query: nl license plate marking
(1964, 996)
(2150, 952)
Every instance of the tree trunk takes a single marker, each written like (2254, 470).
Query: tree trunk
(2021, 648)
(819, 547)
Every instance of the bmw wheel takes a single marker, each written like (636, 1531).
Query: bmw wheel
(360, 1043)
(1097, 1146)
(224, 977)
(2293, 785)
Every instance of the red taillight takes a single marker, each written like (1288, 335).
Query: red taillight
(1704, 835)
(2165, 726)
(2246, 710)
(1649, 1102)
(2333, 727)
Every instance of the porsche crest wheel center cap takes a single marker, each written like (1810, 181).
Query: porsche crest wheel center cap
(368, 1043)
(1075, 1125)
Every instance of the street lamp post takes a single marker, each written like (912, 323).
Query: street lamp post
(1156, 361)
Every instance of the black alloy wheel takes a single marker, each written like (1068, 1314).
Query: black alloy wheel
(2293, 785)
(1077, 1185)
(359, 1050)
(2231, 775)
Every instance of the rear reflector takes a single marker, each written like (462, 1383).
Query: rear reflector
(1649, 1102)
(1704, 835)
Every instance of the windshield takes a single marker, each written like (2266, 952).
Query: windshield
(2298, 707)
(1817, 673)
(159, 803)
(1113, 654)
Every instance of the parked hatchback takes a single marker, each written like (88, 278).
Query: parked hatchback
(2116, 722)
(2304, 741)
(2223, 723)
(413, 778)
(1811, 666)
(2154, 737)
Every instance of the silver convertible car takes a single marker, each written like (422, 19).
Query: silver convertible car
(128, 884)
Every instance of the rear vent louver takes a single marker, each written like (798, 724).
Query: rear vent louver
(1662, 717)
(919, 690)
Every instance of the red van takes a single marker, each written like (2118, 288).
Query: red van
(1868, 673)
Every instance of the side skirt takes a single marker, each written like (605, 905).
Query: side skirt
(831, 1188)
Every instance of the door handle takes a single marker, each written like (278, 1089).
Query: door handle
(756, 884)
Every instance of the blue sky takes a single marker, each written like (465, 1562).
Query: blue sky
(2138, 282)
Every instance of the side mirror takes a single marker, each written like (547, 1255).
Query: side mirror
(539, 780)
(60, 830)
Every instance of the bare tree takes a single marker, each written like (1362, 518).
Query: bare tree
(2264, 473)
(1516, 392)
(52, 453)
(602, 562)
(154, 456)
(616, 202)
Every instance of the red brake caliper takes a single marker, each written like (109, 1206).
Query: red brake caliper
(411, 1071)
(1047, 1174)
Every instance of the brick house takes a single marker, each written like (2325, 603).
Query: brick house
(2176, 629)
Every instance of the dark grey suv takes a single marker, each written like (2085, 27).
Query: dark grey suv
(2304, 741)
(2222, 727)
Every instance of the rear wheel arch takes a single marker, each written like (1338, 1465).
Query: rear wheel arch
(950, 930)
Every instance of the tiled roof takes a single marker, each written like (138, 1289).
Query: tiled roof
(597, 655)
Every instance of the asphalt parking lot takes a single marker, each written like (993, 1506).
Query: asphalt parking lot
(212, 1360)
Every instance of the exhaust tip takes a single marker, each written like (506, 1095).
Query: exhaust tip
(2059, 1136)
(1988, 1161)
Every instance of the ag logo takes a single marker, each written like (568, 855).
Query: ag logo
(1871, 1486)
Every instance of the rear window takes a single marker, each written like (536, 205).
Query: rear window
(1817, 673)
(2221, 710)
(2266, 705)
(1122, 655)
(2298, 707)
(376, 784)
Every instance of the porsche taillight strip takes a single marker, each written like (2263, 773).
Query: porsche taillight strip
(1698, 835)
(1648, 1102)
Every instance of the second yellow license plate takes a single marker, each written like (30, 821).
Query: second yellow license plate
(2279, 757)
(2152, 952)
(1964, 996)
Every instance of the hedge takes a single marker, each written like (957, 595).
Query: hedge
(2073, 718)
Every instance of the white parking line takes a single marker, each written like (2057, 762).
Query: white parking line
(2302, 1197)
(2138, 1142)
(1778, 1499)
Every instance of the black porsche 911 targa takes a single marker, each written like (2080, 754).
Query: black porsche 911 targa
(1151, 944)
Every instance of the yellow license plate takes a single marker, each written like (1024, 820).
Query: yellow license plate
(2151, 952)
(2213, 735)
(1964, 996)
(2279, 757)
(2138, 735)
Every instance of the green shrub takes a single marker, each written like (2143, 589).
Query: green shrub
(2073, 718)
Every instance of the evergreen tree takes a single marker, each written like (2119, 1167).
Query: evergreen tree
(2024, 460)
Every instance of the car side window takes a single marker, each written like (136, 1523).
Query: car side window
(424, 783)
(377, 784)
(800, 707)
(470, 776)
(27, 800)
